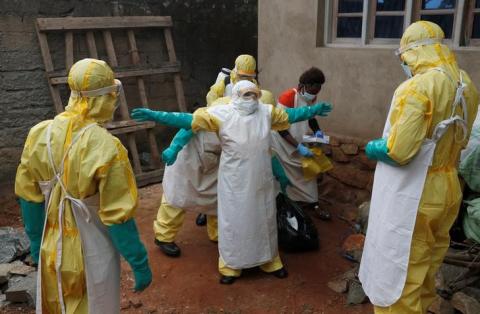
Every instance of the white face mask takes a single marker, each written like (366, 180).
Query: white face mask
(245, 106)
(307, 96)
(407, 70)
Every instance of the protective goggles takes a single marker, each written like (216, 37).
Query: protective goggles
(250, 93)
(415, 44)
(116, 89)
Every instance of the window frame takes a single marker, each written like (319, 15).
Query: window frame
(463, 18)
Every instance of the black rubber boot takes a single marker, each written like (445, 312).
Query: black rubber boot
(169, 248)
(281, 273)
(201, 220)
(227, 280)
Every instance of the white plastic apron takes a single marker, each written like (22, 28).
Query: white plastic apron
(301, 190)
(191, 182)
(247, 226)
(393, 211)
(101, 260)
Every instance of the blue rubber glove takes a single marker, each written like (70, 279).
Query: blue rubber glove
(175, 119)
(319, 134)
(304, 151)
(33, 215)
(126, 240)
(378, 150)
(280, 175)
(308, 112)
(180, 139)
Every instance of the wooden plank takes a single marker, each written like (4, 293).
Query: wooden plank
(126, 123)
(47, 60)
(457, 23)
(131, 129)
(99, 23)
(132, 43)
(60, 77)
(132, 146)
(177, 79)
(92, 47)
(68, 50)
(112, 56)
(150, 177)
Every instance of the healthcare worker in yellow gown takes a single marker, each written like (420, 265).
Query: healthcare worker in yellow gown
(78, 199)
(246, 197)
(190, 182)
(416, 194)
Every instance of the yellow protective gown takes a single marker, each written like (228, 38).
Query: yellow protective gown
(98, 163)
(245, 65)
(170, 219)
(420, 104)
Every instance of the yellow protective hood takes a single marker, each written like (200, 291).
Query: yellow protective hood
(423, 57)
(87, 75)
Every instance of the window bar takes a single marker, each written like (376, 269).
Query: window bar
(365, 24)
(457, 23)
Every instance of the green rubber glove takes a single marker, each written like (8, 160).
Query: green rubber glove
(308, 112)
(175, 119)
(378, 150)
(126, 240)
(280, 175)
(33, 215)
(180, 139)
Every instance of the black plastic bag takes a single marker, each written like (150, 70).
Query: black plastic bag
(296, 230)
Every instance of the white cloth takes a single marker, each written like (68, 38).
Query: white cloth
(191, 182)
(301, 190)
(246, 200)
(102, 261)
(393, 211)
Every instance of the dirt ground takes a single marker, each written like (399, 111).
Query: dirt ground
(189, 284)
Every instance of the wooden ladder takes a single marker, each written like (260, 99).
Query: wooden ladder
(89, 25)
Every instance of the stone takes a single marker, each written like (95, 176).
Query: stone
(356, 295)
(3, 301)
(441, 306)
(338, 155)
(22, 289)
(13, 243)
(351, 176)
(465, 304)
(5, 271)
(349, 149)
(362, 218)
(327, 150)
(450, 273)
(331, 189)
(22, 270)
(349, 212)
(472, 291)
(353, 247)
(351, 274)
(334, 141)
(362, 162)
(339, 286)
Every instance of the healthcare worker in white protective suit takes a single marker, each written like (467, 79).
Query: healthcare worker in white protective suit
(246, 198)
(416, 191)
(78, 199)
(190, 182)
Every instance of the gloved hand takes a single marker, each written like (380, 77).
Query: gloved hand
(175, 119)
(304, 151)
(308, 112)
(33, 215)
(280, 175)
(322, 108)
(319, 134)
(378, 150)
(181, 139)
(126, 240)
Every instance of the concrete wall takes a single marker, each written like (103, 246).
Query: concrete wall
(208, 35)
(360, 81)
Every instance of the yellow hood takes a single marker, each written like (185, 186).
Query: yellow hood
(422, 58)
(91, 74)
